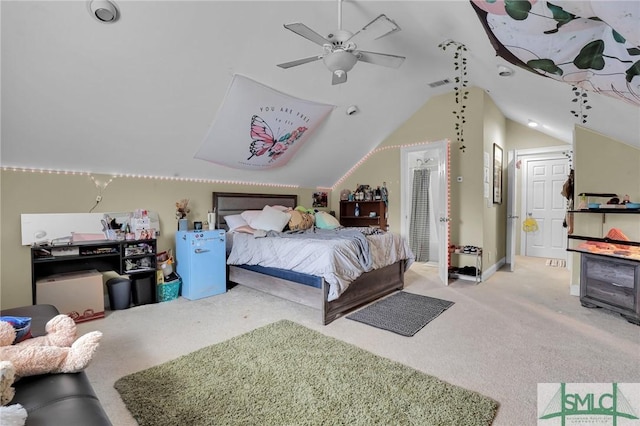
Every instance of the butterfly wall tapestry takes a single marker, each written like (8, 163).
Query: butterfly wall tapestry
(594, 45)
(259, 128)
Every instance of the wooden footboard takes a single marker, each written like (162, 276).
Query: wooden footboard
(368, 287)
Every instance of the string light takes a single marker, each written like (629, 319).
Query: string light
(366, 157)
(133, 176)
(224, 181)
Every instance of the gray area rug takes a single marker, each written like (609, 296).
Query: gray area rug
(287, 374)
(402, 313)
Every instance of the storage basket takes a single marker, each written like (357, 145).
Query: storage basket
(168, 290)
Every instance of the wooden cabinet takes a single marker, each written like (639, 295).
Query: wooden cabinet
(371, 213)
(610, 283)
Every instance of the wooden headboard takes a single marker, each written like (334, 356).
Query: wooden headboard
(228, 203)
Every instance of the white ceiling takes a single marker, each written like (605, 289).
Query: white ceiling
(138, 96)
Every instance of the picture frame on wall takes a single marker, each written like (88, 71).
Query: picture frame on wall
(320, 199)
(497, 174)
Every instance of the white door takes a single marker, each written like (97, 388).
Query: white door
(443, 213)
(438, 152)
(512, 217)
(545, 204)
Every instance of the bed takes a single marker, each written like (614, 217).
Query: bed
(299, 287)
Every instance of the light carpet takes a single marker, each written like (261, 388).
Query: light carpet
(287, 374)
(402, 313)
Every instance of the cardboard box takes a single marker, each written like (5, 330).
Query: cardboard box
(77, 294)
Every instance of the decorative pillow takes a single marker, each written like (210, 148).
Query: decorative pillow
(246, 229)
(22, 326)
(271, 220)
(250, 216)
(300, 221)
(325, 221)
(235, 221)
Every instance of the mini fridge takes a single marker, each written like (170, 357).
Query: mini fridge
(201, 262)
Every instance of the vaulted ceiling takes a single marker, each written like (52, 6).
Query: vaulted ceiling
(138, 96)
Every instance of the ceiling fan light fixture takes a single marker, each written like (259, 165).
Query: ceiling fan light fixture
(104, 11)
(340, 60)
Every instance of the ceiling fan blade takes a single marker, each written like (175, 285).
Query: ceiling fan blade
(306, 32)
(392, 61)
(300, 61)
(378, 28)
(338, 77)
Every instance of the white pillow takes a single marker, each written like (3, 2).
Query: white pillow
(271, 219)
(281, 208)
(250, 216)
(234, 221)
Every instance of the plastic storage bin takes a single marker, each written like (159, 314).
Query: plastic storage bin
(168, 290)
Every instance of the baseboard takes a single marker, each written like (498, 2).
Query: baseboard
(574, 289)
(487, 273)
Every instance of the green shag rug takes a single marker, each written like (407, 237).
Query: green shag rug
(286, 374)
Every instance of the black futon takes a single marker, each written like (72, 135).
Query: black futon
(55, 399)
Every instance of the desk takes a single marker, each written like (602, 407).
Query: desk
(124, 257)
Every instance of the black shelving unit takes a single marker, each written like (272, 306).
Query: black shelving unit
(99, 255)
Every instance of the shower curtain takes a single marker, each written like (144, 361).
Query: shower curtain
(419, 223)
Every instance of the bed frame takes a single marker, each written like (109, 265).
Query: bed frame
(366, 288)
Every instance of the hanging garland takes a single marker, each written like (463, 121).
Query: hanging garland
(460, 89)
(580, 96)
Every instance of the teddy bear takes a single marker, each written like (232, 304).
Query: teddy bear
(12, 415)
(58, 351)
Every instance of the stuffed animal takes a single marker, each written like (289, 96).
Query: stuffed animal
(56, 352)
(12, 415)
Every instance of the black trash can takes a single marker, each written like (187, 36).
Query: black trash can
(119, 290)
(143, 290)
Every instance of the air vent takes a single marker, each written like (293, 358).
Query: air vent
(439, 83)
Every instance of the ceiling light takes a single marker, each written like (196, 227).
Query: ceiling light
(532, 123)
(504, 71)
(104, 11)
(352, 110)
(340, 60)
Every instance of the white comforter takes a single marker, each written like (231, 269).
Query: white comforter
(338, 260)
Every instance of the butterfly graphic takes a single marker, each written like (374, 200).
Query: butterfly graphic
(264, 141)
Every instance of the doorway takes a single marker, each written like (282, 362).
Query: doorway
(425, 207)
(539, 175)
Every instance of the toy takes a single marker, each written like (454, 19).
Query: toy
(56, 352)
(182, 208)
(12, 415)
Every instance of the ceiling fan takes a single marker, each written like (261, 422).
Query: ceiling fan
(340, 51)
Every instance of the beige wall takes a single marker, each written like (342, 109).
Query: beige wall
(474, 220)
(26, 192)
(495, 215)
(604, 165)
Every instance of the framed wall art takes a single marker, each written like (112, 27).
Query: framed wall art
(320, 199)
(497, 174)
